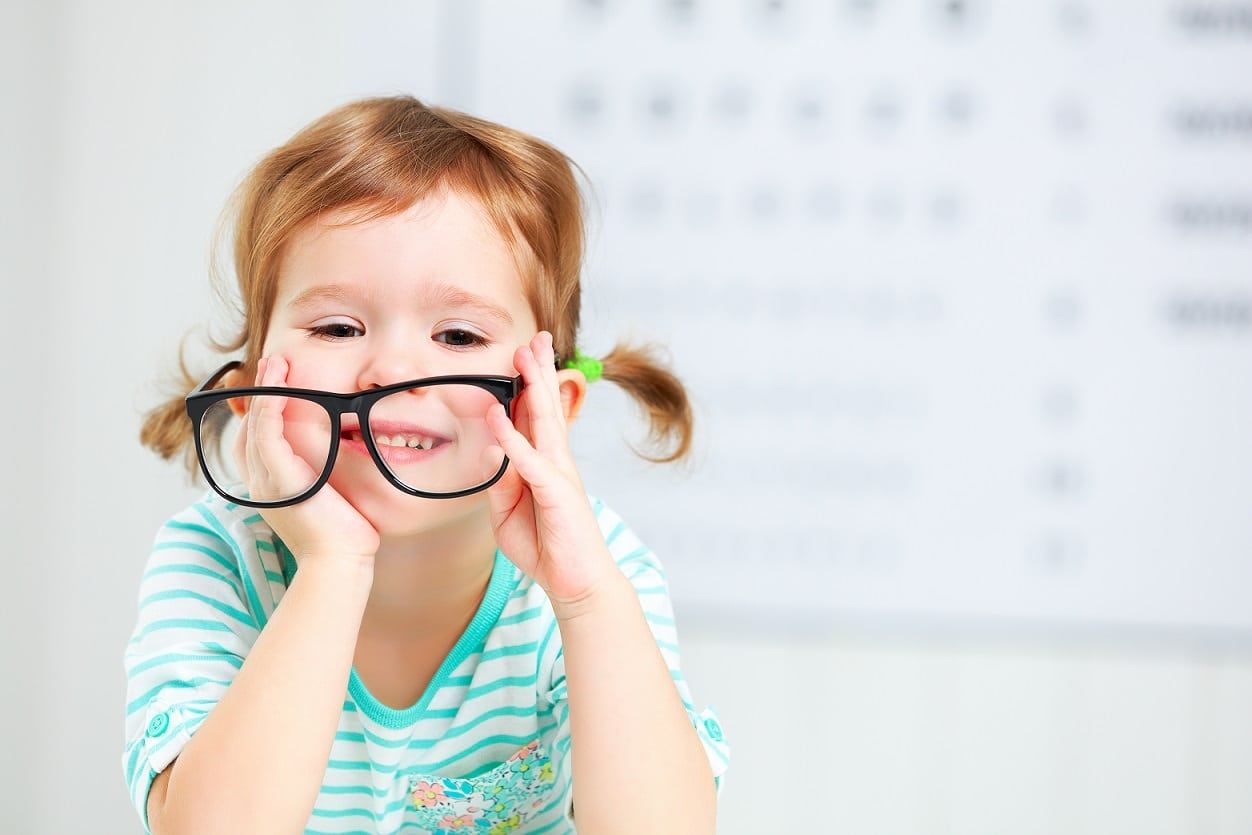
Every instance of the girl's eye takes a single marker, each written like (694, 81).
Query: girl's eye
(336, 330)
(460, 338)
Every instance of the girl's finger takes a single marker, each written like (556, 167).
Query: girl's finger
(259, 481)
(531, 467)
(239, 449)
(276, 471)
(542, 394)
(545, 355)
(505, 493)
(521, 418)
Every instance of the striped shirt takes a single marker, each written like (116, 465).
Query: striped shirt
(486, 748)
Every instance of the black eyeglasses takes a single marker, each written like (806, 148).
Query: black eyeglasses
(428, 437)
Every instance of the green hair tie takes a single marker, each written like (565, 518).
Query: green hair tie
(591, 367)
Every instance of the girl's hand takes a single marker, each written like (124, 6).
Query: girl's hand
(323, 526)
(542, 519)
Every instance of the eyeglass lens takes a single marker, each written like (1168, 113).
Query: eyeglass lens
(432, 439)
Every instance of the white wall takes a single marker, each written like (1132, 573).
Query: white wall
(26, 35)
(129, 124)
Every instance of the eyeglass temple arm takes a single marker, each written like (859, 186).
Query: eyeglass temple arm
(216, 377)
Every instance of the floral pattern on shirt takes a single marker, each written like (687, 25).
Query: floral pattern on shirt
(497, 802)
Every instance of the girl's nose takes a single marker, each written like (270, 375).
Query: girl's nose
(397, 361)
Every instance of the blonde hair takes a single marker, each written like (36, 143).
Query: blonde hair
(380, 156)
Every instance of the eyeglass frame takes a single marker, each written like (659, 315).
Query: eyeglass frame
(197, 402)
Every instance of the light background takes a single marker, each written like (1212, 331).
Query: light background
(961, 293)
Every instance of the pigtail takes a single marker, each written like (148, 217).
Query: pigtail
(166, 429)
(660, 394)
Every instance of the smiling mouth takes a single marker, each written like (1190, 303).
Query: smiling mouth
(400, 440)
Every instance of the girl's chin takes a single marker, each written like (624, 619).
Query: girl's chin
(397, 515)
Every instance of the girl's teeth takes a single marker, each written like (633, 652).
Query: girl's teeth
(401, 441)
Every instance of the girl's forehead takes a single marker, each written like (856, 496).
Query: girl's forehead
(438, 219)
(444, 239)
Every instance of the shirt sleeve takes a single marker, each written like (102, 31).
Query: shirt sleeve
(197, 620)
(643, 569)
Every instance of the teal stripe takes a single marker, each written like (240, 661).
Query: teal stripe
(274, 576)
(154, 748)
(182, 623)
(504, 652)
(262, 545)
(615, 533)
(495, 739)
(366, 790)
(528, 614)
(548, 827)
(643, 590)
(179, 545)
(460, 730)
(349, 765)
(249, 588)
(543, 645)
(507, 681)
(192, 720)
(717, 749)
(132, 761)
(168, 657)
(253, 519)
(140, 702)
(374, 738)
(189, 526)
(659, 619)
(188, 568)
(666, 645)
(641, 551)
(185, 594)
(287, 561)
(344, 813)
(389, 810)
(396, 805)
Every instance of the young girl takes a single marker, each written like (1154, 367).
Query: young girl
(399, 611)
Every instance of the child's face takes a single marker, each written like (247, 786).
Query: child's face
(431, 291)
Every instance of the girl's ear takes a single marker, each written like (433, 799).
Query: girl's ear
(234, 379)
(573, 387)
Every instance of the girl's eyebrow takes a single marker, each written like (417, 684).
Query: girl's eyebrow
(443, 296)
(315, 295)
(451, 296)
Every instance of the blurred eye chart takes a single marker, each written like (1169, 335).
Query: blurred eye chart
(962, 292)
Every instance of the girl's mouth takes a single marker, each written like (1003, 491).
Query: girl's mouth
(399, 440)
